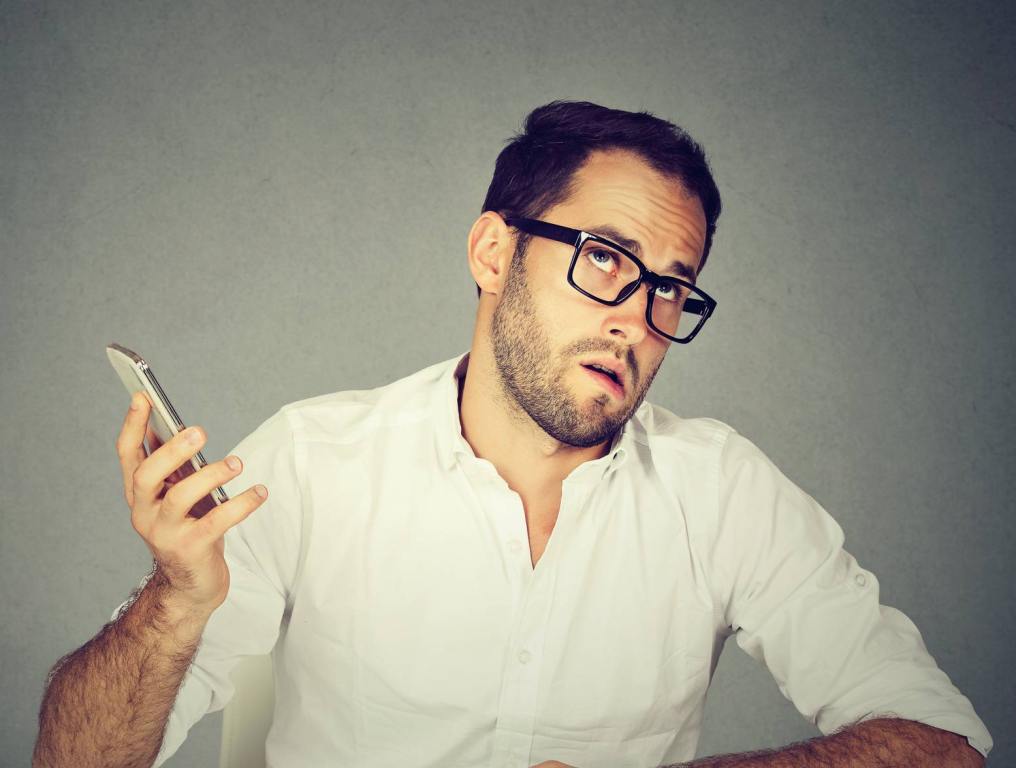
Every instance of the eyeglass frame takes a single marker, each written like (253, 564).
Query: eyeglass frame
(578, 238)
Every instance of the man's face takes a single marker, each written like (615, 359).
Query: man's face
(542, 329)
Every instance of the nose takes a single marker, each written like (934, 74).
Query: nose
(627, 320)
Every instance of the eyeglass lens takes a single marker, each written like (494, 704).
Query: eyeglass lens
(607, 273)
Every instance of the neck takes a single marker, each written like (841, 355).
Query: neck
(500, 431)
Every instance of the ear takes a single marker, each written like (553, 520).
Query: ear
(490, 247)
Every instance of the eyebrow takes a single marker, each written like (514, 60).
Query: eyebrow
(609, 232)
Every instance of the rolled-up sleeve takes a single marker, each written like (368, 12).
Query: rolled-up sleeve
(262, 554)
(801, 605)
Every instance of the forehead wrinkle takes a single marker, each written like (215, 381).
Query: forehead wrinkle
(682, 268)
(631, 203)
(687, 240)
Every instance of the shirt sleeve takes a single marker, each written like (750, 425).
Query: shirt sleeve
(262, 554)
(801, 605)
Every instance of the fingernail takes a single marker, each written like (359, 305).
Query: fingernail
(135, 402)
(261, 491)
(193, 435)
(233, 463)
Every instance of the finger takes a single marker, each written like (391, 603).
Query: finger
(130, 442)
(151, 476)
(154, 444)
(236, 510)
(185, 493)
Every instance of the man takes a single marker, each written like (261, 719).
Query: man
(510, 558)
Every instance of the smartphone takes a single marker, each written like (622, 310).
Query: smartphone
(137, 376)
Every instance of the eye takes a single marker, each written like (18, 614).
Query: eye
(602, 258)
(671, 292)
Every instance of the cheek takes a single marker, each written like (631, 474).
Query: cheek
(563, 311)
(651, 358)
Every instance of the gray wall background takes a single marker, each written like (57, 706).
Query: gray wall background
(270, 201)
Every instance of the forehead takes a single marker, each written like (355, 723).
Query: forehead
(619, 189)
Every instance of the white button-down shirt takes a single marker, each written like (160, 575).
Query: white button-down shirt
(389, 575)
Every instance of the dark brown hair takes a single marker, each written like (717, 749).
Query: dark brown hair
(535, 171)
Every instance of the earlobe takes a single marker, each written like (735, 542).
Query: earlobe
(487, 246)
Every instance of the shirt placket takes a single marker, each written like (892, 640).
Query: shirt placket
(513, 733)
(532, 596)
(516, 719)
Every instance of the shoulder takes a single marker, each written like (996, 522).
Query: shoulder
(706, 466)
(671, 439)
(351, 416)
(703, 443)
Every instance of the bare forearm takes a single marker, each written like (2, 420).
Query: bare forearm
(882, 743)
(107, 703)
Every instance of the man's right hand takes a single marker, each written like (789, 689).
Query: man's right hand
(188, 551)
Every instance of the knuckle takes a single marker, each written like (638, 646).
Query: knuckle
(139, 477)
(171, 500)
(209, 525)
(246, 501)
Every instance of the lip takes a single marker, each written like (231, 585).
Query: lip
(606, 382)
(611, 364)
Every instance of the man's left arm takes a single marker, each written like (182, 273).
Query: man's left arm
(881, 743)
(803, 606)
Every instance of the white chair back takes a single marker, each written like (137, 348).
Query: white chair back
(247, 717)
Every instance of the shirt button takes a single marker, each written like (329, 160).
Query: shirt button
(514, 545)
(861, 581)
(525, 656)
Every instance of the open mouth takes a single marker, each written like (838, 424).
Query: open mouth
(607, 378)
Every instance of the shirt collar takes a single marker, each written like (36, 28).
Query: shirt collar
(452, 446)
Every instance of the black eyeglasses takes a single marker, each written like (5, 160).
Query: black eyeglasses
(609, 274)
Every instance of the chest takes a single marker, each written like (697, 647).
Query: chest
(540, 520)
(537, 544)
(413, 614)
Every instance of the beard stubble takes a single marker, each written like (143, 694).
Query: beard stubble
(530, 381)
